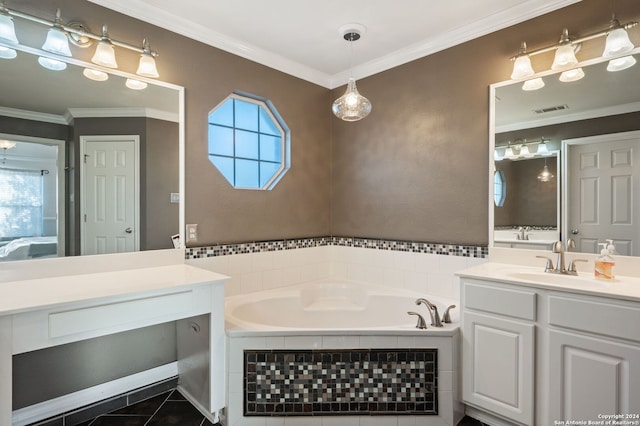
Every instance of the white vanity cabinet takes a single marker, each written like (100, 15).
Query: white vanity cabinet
(498, 349)
(540, 354)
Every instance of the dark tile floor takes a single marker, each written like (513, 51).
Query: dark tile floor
(168, 409)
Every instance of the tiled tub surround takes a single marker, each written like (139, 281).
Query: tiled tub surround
(340, 382)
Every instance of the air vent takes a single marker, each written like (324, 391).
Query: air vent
(551, 109)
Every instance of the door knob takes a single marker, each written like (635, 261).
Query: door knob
(128, 230)
(575, 231)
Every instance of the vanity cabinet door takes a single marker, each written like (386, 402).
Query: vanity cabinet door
(591, 377)
(498, 365)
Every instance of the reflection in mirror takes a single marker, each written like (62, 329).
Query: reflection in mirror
(603, 104)
(64, 189)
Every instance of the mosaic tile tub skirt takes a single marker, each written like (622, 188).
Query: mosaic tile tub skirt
(340, 382)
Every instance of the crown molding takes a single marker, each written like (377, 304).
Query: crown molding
(119, 113)
(156, 16)
(32, 115)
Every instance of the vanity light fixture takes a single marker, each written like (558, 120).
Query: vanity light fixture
(351, 106)
(520, 149)
(57, 42)
(617, 44)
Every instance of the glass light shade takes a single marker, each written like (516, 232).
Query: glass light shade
(351, 106)
(52, 64)
(617, 43)
(524, 151)
(533, 84)
(95, 74)
(135, 84)
(620, 64)
(5, 144)
(57, 42)
(147, 66)
(7, 29)
(508, 153)
(105, 55)
(6, 53)
(571, 75)
(496, 155)
(545, 175)
(565, 57)
(542, 149)
(522, 68)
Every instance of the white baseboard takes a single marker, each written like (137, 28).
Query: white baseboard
(487, 418)
(214, 417)
(75, 400)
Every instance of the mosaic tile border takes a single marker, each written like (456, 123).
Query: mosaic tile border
(340, 382)
(370, 243)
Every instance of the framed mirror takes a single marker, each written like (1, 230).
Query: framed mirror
(581, 123)
(87, 166)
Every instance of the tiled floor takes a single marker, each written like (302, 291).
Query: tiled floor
(168, 409)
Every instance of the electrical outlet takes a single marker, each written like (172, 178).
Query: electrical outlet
(192, 232)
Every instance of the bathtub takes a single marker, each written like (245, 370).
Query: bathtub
(328, 306)
(301, 332)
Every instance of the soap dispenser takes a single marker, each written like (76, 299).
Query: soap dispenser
(604, 262)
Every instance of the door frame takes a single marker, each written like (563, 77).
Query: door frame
(565, 144)
(83, 187)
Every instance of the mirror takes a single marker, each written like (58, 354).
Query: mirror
(90, 167)
(575, 120)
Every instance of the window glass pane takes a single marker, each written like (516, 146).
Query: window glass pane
(266, 124)
(270, 148)
(246, 115)
(499, 188)
(223, 115)
(220, 140)
(21, 200)
(267, 170)
(247, 174)
(246, 144)
(225, 165)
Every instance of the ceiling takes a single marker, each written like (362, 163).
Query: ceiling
(303, 38)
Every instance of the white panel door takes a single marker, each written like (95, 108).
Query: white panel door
(110, 194)
(591, 377)
(604, 177)
(498, 365)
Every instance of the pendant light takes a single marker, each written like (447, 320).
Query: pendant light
(105, 54)
(5, 145)
(351, 106)
(545, 175)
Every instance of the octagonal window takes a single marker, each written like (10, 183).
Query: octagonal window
(249, 143)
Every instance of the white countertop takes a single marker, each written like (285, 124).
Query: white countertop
(623, 287)
(33, 294)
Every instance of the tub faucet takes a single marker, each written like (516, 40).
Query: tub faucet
(422, 325)
(446, 317)
(433, 312)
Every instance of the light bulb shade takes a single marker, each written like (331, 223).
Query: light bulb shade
(522, 68)
(95, 75)
(6, 53)
(52, 64)
(351, 106)
(524, 151)
(565, 57)
(545, 175)
(105, 54)
(496, 155)
(542, 149)
(57, 42)
(617, 43)
(135, 84)
(508, 153)
(5, 144)
(620, 64)
(571, 75)
(533, 84)
(7, 29)
(147, 66)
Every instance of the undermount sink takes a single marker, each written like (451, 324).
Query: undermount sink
(558, 279)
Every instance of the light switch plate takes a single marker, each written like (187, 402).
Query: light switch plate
(175, 197)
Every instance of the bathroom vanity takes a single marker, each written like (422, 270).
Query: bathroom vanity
(542, 348)
(45, 311)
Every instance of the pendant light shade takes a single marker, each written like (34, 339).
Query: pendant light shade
(7, 29)
(545, 175)
(105, 54)
(351, 106)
